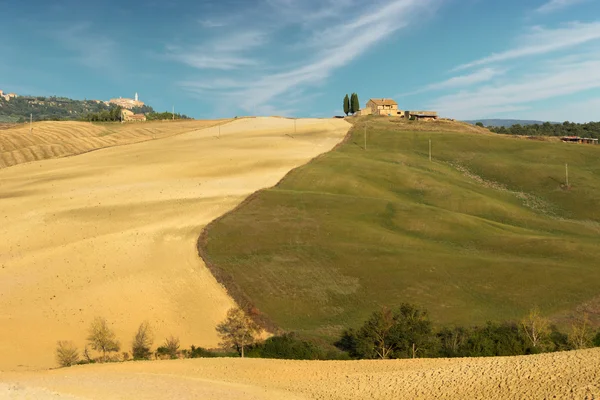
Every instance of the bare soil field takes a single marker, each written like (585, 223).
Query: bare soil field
(112, 233)
(52, 139)
(568, 375)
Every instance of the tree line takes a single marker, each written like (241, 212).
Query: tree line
(113, 114)
(155, 116)
(590, 129)
(351, 104)
(405, 332)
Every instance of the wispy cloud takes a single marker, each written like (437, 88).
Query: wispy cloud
(554, 5)
(462, 81)
(223, 53)
(549, 82)
(320, 48)
(212, 23)
(541, 41)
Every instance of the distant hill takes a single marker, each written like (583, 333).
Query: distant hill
(506, 122)
(52, 109)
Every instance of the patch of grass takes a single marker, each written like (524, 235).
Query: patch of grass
(484, 232)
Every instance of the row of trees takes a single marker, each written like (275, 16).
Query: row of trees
(406, 332)
(351, 104)
(113, 114)
(237, 332)
(155, 116)
(591, 129)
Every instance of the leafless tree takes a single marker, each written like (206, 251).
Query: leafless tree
(381, 330)
(536, 328)
(581, 333)
(66, 353)
(142, 342)
(102, 338)
(237, 331)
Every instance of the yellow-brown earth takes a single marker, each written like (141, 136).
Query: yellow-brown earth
(568, 375)
(113, 232)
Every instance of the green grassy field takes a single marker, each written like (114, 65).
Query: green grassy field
(485, 231)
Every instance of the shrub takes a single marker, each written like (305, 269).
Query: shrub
(169, 349)
(66, 354)
(288, 346)
(198, 352)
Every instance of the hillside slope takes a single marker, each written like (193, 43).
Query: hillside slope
(569, 375)
(113, 233)
(55, 139)
(484, 232)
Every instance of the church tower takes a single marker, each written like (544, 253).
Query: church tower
(136, 96)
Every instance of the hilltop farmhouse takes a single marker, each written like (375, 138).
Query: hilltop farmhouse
(127, 103)
(389, 108)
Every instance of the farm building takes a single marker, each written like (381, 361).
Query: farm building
(128, 116)
(421, 115)
(577, 139)
(386, 107)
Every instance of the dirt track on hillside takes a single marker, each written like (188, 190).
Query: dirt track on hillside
(569, 375)
(113, 233)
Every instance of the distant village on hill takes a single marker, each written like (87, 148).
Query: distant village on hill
(15, 108)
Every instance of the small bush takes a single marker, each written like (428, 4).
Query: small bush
(66, 354)
(289, 347)
(198, 352)
(170, 349)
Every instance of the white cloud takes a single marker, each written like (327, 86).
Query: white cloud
(554, 5)
(212, 23)
(541, 41)
(321, 48)
(479, 76)
(223, 53)
(549, 82)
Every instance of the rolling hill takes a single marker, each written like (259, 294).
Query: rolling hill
(53, 139)
(485, 231)
(112, 233)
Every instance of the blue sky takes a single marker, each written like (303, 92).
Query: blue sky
(531, 59)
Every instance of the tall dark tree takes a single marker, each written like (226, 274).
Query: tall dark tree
(354, 103)
(346, 105)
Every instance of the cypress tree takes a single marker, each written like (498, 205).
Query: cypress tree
(352, 102)
(346, 105)
(355, 104)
